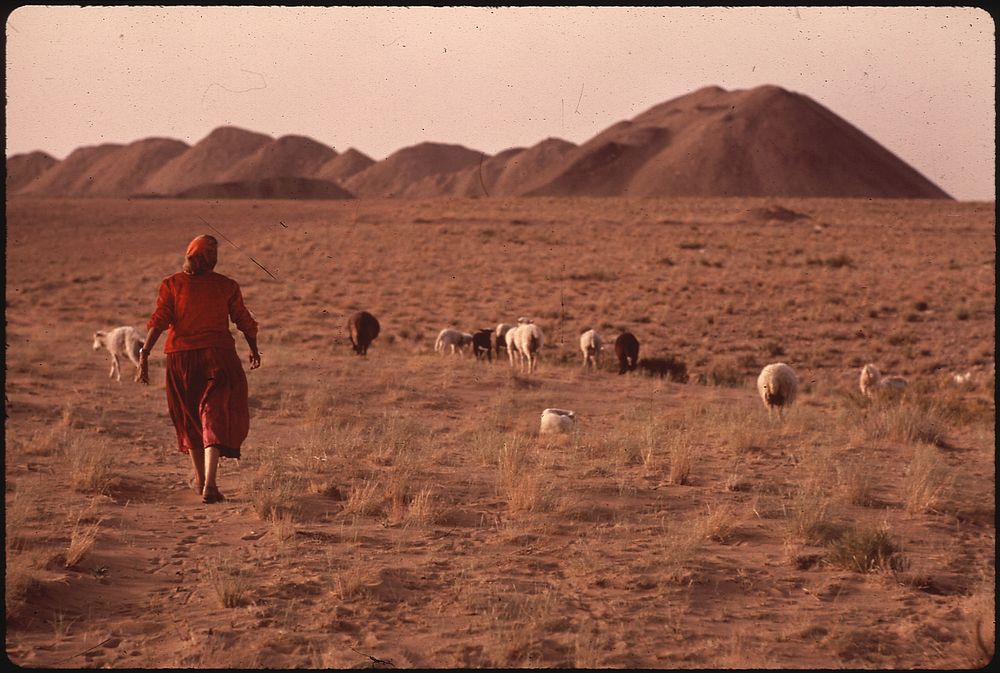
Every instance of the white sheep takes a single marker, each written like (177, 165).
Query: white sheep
(501, 340)
(452, 339)
(872, 382)
(121, 342)
(511, 344)
(778, 386)
(591, 344)
(527, 340)
(556, 421)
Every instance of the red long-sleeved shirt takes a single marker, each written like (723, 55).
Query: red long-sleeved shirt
(197, 310)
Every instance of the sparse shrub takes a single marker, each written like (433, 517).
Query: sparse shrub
(364, 498)
(719, 522)
(227, 581)
(669, 367)
(774, 349)
(726, 373)
(921, 306)
(856, 481)
(962, 314)
(90, 465)
(926, 480)
(866, 551)
(811, 519)
(83, 537)
(681, 459)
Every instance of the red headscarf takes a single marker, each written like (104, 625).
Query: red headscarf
(201, 256)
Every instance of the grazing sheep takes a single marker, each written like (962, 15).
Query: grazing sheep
(482, 345)
(120, 342)
(501, 337)
(627, 350)
(873, 383)
(591, 344)
(556, 421)
(778, 386)
(362, 328)
(511, 345)
(963, 379)
(527, 341)
(452, 339)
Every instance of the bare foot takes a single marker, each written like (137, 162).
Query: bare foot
(196, 485)
(212, 495)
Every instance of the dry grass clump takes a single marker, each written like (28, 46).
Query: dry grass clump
(680, 548)
(352, 581)
(422, 508)
(270, 488)
(980, 611)
(866, 551)
(227, 580)
(856, 480)
(719, 522)
(907, 420)
(365, 498)
(681, 459)
(519, 622)
(927, 481)
(20, 577)
(812, 517)
(89, 463)
(83, 536)
(523, 489)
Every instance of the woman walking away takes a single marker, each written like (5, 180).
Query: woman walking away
(206, 385)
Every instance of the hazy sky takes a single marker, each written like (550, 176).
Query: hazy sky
(919, 80)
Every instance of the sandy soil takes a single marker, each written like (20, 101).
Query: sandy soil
(402, 509)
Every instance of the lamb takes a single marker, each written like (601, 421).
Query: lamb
(873, 383)
(452, 339)
(627, 350)
(501, 334)
(556, 421)
(482, 345)
(527, 340)
(362, 328)
(778, 386)
(121, 342)
(591, 344)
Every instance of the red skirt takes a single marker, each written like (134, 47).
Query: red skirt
(207, 399)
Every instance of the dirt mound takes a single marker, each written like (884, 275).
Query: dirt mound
(125, 171)
(504, 174)
(70, 176)
(22, 169)
(770, 213)
(268, 188)
(206, 160)
(394, 174)
(289, 156)
(764, 141)
(343, 166)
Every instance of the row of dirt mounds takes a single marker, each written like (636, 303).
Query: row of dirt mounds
(268, 188)
(764, 141)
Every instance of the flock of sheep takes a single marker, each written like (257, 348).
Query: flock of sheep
(777, 383)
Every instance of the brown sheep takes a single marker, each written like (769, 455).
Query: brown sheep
(627, 350)
(362, 328)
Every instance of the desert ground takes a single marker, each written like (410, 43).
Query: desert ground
(401, 510)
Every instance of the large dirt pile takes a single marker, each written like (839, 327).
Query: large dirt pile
(268, 188)
(22, 169)
(125, 171)
(764, 141)
(504, 174)
(288, 157)
(343, 166)
(72, 175)
(204, 162)
(394, 174)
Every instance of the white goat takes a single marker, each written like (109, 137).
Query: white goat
(591, 344)
(121, 342)
(872, 382)
(527, 340)
(452, 339)
(778, 386)
(556, 421)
